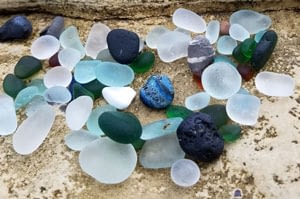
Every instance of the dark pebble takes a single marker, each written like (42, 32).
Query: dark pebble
(56, 27)
(18, 27)
(199, 138)
(158, 92)
(263, 50)
(123, 45)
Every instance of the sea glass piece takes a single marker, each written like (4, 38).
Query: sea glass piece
(57, 76)
(78, 111)
(230, 132)
(107, 161)
(220, 80)
(84, 71)
(160, 128)
(69, 57)
(212, 31)
(185, 173)
(36, 103)
(243, 109)
(259, 35)
(177, 111)
(225, 45)
(77, 140)
(33, 131)
(154, 35)
(238, 32)
(8, 117)
(96, 40)
(275, 84)
(251, 20)
(197, 101)
(57, 95)
(44, 47)
(119, 97)
(25, 96)
(189, 20)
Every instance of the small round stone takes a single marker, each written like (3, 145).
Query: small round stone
(18, 27)
(55, 28)
(157, 92)
(27, 66)
(220, 80)
(189, 20)
(199, 138)
(107, 161)
(57, 76)
(122, 127)
(225, 45)
(44, 47)
(185, 173)
(123, 45)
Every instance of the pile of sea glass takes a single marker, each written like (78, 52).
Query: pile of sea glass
(220, 55)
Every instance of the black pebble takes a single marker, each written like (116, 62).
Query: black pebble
(199, 138)
(18, 27)
(263, 50)
(123, 45)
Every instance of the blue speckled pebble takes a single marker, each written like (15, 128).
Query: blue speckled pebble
(18, 27)
(158, 92)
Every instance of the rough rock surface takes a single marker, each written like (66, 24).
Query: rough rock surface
(264, 163)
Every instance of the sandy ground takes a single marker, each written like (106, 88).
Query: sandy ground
(264, 163)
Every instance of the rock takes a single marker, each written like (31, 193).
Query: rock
(220, 80)
(44, 47)
(114, 74)
(177, 111)
(275, 84)
(77, 140)
(119, 97)
(263, 50)
(200, 55)
(78, 112)
(78, 90)
(189, 20)
(172, 46)
(69, 57)
(225, 45)
(12, 85)
(157, 92)
(123, 45)
(243, 52)
(243, 109)
(199, 138)
(27, 66)
(8, 117)
(35, 104)
(69, 38)
(224, 28)
(238, 32)
(153, 36)
(92, 122)
(122, 127)
(251, 20)
(102, 160)
(230, 132)
(160, 128)
(95, 87)
(223, 58)
(246, 71)
(53, 61)
(185, 173)
(161, 152)
(143, 63)
(25, 96)
(84, 71)
(259, 35)
(96, 40)
(57, 95)
(104, 55)
(218, 114)
(55, 28)
(18, 27)
(33, 131)
(212, 31)
(57, 76)
(197, 101)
